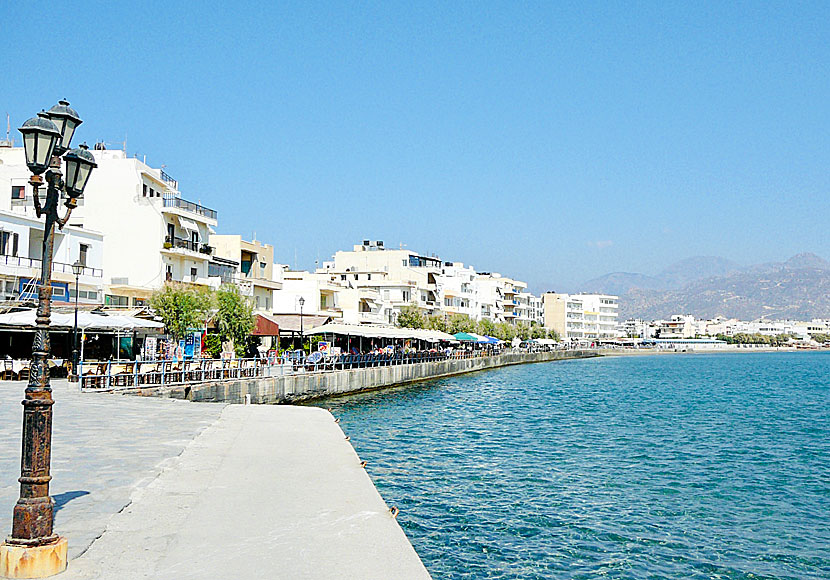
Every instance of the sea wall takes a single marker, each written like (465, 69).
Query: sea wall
(305, 386)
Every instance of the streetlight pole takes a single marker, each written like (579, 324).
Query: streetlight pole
(33, 550)
(77, 268)
(302, 301)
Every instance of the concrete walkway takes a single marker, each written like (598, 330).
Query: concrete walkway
(104, 449)
(263, 492)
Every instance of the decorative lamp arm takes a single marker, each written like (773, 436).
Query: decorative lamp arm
(71, 204)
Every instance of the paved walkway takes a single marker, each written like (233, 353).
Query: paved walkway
(104, 448)
(262, 492)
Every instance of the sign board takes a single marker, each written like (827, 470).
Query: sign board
(323, 347)
(150, 346)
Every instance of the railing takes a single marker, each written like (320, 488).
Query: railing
(167, 179)
(116, 375)
(198, 247)
(177, 202)
(23, 262)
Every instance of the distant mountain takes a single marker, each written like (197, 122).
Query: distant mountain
(708, 287)
(674, 276)
(697, 268)
(621, 282)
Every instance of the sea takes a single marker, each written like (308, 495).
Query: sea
(674, 466)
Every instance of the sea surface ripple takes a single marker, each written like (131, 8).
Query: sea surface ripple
(688, 466)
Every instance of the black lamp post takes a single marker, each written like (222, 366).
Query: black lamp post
(32, 544)
(302, 301)
(77, 269)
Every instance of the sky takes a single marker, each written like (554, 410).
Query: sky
(552, 142)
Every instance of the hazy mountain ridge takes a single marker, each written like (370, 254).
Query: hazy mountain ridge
(709, 286)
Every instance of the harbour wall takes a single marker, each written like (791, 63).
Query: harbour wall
(314, 385)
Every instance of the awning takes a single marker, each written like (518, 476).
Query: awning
(86, 320)
(377, 331)
(265, 325)
(291, 322)
(188, 224)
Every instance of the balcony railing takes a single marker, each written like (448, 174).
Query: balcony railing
(21, 262)
(198, 247)
(169, 180)
(177, 202)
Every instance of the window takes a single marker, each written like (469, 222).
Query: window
(145, 190)
(368, 276)
(8, 243)
(82, 254)
(355, 276)
(114, 300)
(152, 192)
(171, 233)
(169, 274)
(193, 274)
(18, 192)
(342, 276)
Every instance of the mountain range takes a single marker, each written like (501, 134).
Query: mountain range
(708, 286)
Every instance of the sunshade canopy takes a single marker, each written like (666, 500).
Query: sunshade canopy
(86, 320)
(370, 331)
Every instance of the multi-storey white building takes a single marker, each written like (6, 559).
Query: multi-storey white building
(21, 243)
(151, 233)
(581, 316)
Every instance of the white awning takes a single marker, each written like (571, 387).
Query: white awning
(189, 224)
(86, 320)
(371, 331)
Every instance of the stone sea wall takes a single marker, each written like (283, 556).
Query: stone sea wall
(305, 386)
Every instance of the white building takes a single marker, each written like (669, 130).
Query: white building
(582, 316)
(151, 233)
(21, 243)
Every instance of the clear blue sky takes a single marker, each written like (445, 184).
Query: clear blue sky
(553, 142)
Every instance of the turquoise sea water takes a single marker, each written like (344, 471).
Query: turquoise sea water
(688, 466)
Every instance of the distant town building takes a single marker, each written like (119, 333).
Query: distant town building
(581, 316)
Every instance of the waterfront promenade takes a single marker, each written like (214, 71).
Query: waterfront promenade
(159, 488)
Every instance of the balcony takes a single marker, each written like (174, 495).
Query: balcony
(174, 202)
(21, 262)
(189, 245)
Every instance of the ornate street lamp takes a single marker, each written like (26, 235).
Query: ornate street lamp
(77, 269)
(33, 550)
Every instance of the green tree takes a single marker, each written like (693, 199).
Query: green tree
(486, 327)
(181, 307)
(234, 317)
(212, 345)
(552, 334)
(461, 323)
(436, 322)
(505, 331)
(537, 330)
(411, 317)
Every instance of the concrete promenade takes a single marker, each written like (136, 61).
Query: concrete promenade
(159, 488)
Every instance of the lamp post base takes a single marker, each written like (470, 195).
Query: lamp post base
(33, 561)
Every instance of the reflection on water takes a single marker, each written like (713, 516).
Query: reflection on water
(701, 466)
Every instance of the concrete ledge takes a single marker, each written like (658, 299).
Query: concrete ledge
(265, 492)
(300, 387)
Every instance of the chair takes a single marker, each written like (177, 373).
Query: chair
(8, 370)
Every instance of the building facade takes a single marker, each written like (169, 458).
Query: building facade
(583, 317)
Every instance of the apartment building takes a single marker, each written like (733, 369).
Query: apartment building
(21, 243)
(253, 264)
(581, 316)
